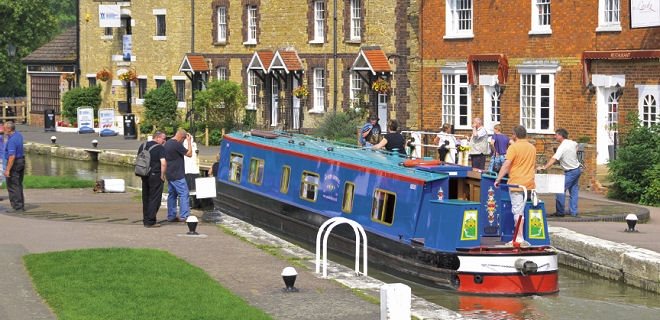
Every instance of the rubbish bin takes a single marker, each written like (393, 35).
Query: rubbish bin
(49, 120)
(129, 126)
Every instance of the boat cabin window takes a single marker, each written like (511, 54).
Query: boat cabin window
(284, 181)
(347, 202)
(382, 209)
(256, 174)
(309, 186)
(235, 167)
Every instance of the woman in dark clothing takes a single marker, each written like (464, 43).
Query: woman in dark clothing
(392, 140)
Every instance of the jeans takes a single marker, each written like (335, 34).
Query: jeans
(496, 159)
(177, 189)
(571, 179)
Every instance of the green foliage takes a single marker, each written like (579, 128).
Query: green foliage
(55, 182)
(340, 126)
(220, 104)
(80, 97)
(250, 119)
(120, 283)
(636, 171)
(160, 110)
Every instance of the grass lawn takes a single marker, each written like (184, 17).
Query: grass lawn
(127, 284)
(52, 182)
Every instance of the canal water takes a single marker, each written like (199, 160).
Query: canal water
(582, 296)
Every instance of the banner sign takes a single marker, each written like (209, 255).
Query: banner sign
(85, 120)
(109, 16)
(107, 119)
(644, 13)
(127, 46)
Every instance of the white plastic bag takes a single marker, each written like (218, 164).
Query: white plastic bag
(549, 183)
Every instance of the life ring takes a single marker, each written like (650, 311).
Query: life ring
(421, 162)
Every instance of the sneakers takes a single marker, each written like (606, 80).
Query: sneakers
(176, 220)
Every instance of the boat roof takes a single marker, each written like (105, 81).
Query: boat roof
(329, 150)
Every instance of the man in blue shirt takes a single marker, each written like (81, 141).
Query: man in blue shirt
(15, 166)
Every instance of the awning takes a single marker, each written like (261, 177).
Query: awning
(502, 66)
(372, 59)
(587, 56)
(286, 60)
(194, 63)
(261, 61)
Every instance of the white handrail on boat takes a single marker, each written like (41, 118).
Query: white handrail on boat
(331, 224)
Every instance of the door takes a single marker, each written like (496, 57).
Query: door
(275, 101)
(492, 111)
(607, 123)
(382, 111)
(296, 107)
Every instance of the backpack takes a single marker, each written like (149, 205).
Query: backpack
(143, 161)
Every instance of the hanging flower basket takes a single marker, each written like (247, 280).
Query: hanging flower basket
(128, 76)
(381, 86)
(69, 77)
(104, 75)
(300, 92)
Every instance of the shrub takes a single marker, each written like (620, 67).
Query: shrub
(340, 126)
(160, 109)
(80, 97)
(635, 172)
(220, 105)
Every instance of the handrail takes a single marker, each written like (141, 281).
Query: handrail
(329, 225)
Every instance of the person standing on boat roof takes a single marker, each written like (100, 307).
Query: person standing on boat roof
(392, 140)
(519, 164)
(498, 144)
(370, 133)
(176, 176)
(478, 144)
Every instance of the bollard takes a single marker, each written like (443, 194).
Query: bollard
(395, 301)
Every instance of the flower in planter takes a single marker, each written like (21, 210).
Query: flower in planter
(381, 86)
(300, 92)
(104, 74)
(128, 76)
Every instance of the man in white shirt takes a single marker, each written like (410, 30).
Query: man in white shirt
(478, 144)
(566, 154)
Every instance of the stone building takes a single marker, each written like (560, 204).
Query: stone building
(579, 65)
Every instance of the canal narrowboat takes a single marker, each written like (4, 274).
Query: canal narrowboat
(441, 225)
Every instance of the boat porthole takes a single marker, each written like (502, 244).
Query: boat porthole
(478, 279)
(330, 149)
(291, 141)
(302, 143)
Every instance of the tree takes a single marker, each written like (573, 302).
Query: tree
(26, 25)
(80, 97)
(160, 110)
(220, 105)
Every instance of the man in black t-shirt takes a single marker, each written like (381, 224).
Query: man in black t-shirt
(177, 186)
(152, 185)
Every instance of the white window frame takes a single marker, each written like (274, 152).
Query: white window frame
(356, 85)
(644, 92)
(539, 9)
(356, 20)
(251, 37)
(221, 73)
(459, 19)
(221, 17)
(251, 90)
(609, 15)
(156, 13)
(319, 22)
(319, 90)
(454, 78)
(531, 99)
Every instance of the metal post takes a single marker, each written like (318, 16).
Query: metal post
(334, 58)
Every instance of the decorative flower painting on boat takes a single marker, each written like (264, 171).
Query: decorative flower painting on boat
(381, 86)
(104, 74)
(301, 92)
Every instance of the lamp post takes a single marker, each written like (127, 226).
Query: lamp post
(11, 53)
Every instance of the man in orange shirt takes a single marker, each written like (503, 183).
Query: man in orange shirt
(520, 164)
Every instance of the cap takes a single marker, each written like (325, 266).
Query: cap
(373, 117)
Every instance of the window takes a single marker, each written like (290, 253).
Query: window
(284, 180)
(319, 89)
(458, 20)
(613, 111)
(252, 91)
(382, 208)
(495, 108)
(347, 201)
(319, 22)
(159, 82)
(456, 101)
(356, 89)
(235, 167)
(107, 31)
(161, 28)
(648, 109)
(309, 186)
(251, 37)
(537, 102)
(142, 87)
(256, 174)
(180, 90)
(356, 20)
(609, 18)
(221, 13)
(540, 17)
(91, 81)
(221, 73)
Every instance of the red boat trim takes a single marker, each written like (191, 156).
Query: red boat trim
(509, 284)
(331, 162)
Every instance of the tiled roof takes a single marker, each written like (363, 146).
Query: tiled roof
(264, 58)
(291, 60)
(197, 63)
(377, 59)
(62, 49)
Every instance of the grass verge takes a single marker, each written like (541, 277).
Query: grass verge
(119, 283)
(52, 182)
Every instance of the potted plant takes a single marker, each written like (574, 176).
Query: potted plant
(300, 92)
(128, 76)
(381, 86)
(104, 75)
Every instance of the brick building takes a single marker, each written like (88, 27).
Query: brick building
(579, 65)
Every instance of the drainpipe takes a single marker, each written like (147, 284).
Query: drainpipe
(192, 26)
(77, 65)
(420, 121)
(334, 57)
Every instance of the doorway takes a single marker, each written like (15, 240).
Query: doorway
(275, 101)
(607, 123)
(382, 111)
